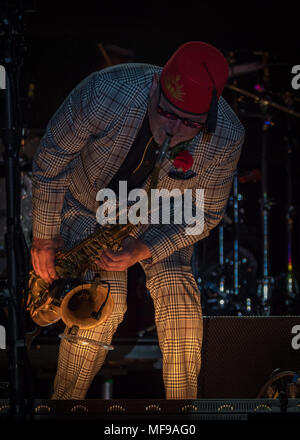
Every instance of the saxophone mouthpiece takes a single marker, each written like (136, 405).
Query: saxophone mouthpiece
(168, 138)
(164, 148)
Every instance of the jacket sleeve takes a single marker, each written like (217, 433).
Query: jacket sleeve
(78, 117)
(216, 182)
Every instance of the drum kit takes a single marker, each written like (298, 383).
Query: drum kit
(233, 267)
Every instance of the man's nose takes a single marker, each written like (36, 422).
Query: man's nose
(174, 126)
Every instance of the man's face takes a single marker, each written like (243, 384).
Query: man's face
(162, 118)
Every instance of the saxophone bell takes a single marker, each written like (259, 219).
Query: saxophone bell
(83, 305)
(87, 305)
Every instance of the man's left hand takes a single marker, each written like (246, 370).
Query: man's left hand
(133, 251)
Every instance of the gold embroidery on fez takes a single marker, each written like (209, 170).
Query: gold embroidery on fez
(174, 88)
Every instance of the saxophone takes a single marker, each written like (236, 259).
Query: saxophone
(81, 305)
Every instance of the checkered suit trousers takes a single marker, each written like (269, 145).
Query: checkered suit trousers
(178, 320)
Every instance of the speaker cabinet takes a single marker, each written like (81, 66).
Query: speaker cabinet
(240, 353)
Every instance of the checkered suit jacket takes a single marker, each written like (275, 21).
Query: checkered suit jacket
(87, 140)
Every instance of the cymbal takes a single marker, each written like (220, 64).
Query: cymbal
(263, 100)
(242, 69)
(250, 114)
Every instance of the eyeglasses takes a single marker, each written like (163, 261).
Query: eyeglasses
(174, 117)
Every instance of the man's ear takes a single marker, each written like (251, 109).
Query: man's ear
(154, 85)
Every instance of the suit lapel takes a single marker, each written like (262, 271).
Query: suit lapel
(165, 168)
(121, 145)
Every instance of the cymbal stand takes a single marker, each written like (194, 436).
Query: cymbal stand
(236, 235)
(235, 200)
(292, 288)
(264, 285)
(236, 224)
(236, 253)
(221, 258)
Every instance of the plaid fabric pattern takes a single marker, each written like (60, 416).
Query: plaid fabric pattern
(84, 145)
(178, 319)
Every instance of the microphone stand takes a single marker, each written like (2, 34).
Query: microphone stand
(16, 248)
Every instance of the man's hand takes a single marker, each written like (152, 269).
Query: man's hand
(134, 250)
(42, 256)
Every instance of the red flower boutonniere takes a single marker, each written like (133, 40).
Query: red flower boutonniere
(183, 161)
(181, 157)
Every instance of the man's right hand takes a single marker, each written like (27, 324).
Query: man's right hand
(43, 256)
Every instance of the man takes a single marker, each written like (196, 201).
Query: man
(108, 129)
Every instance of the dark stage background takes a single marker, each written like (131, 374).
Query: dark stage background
(61, 42)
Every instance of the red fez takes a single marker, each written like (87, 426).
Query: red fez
(194, 74)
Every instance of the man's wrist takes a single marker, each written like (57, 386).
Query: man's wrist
(44, 243)
(145, 251)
